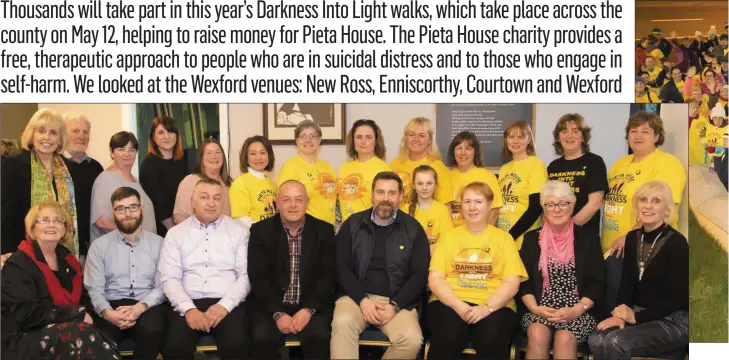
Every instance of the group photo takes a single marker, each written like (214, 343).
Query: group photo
(345, 231)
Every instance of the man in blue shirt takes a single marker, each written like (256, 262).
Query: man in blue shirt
(122, 280)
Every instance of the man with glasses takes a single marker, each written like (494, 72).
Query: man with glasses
(122, 280)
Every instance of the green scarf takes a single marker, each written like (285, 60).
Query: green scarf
(41, 189)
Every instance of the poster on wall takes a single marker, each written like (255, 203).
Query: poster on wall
(486, 121)
(280, 120)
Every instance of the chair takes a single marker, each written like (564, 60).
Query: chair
(519, 346)
(206, 344)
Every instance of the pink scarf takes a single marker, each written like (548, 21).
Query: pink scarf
(558, 248)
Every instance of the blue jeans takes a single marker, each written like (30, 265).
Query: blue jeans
(667, 337)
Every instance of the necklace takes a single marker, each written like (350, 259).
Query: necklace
(642, 261)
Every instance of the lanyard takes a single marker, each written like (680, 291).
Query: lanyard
(641, 262)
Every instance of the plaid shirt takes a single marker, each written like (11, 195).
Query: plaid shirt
(293, 293)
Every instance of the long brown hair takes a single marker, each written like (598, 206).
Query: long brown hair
(170, 125)
(414, 194)
(380, 149)
(522, 127)
(224, 174)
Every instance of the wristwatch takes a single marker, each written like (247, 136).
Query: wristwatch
(394, 305)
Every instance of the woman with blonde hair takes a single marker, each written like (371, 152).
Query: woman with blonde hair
(418, 147)
(520, 180)
(38, 173)
(366, 151)
(652, 318)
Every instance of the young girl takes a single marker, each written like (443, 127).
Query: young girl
(431, 214)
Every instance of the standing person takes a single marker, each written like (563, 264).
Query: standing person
(434, 217)
(211, 164)
(720, 163)
(474, 275)
(253, 194)
(84, 171)
(464, 156)
(38, 173)
(584, 171)
(163, 169)
(204, 272)
(292, 271)
(382, 263)
(662, 44)
(418, 147)
(652, 317)
(366, 151)
(123, 150)
(44, 307)
(317, 175)
(520, 181)
(122, 280)
(672, 90)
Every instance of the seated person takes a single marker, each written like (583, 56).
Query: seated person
(42, 295)
(474, 274)
(382, 261)
(566, 277)
(204, 272)
(291, 267)
(122, 279)
(653, 316)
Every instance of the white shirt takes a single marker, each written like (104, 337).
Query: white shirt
(205, 261)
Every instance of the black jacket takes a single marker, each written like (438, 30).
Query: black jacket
(27, 305)
(722, 170)
(15, 198)
(589, 268)
(407, 258)
(269, 269)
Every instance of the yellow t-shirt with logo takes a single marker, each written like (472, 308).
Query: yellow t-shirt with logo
(459, 180)
(354, 185)
(435, 220)
(697, 140)
(476, 264)
(320, 182)
(253, 197)
(518, 179)
(713, 142)
(405, 167)
(624, 178)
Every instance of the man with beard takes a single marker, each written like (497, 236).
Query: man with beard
(122, 280)
(382, 262)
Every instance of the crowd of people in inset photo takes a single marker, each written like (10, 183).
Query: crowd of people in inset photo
(428, 249)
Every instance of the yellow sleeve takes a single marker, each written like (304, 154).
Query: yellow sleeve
(287, 173)
(396, 164)
(439, 259)
(671, 172)
(240, 199)
(513, 266)
(537, 177)
(445, 220)
(494, 185)
(445, 187)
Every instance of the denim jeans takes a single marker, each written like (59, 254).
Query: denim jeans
(666, 337)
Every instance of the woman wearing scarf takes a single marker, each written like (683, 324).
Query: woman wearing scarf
(37, 174)
(566, 278)
(44, 312)
(652, 318)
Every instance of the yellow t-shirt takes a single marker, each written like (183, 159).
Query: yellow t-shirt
(320, 182)
(518, 179)
(714, 142)
(405, 167)
(697, 140)
(475, 265)
(354, 185)
(253, 197)
(624, 178)
(459, 180)
(657, 69)
(435, 220)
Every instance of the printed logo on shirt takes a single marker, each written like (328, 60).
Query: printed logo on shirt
(327, 186)
(569, 177)
(352, 187)
(430, 231)
(617, 184)
(268, 198)
(473, 264)
(508, 183)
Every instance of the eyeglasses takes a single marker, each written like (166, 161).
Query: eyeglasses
(47, 220)
(308, 137)
(122, 209)
(562, 205)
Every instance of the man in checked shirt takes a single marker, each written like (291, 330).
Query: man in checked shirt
(292, 269)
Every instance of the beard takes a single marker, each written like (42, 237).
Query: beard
(128, 229)
(384, 209)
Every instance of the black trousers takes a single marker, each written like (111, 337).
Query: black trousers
(230, 334)
(268, 340)
(147, 334)
(449, 334)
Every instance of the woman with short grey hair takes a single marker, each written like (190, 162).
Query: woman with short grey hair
(566, 278)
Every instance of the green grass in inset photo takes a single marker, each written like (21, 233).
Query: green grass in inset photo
(707, 287)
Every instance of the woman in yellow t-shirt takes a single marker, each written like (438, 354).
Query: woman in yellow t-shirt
(253, 194)
(520, 181)
(464, 156)
(366, 151)
(475, 273)
(434, 217)
(645, 134)
(316, 174)
(418, 147)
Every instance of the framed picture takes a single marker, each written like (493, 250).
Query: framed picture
(280, 120)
